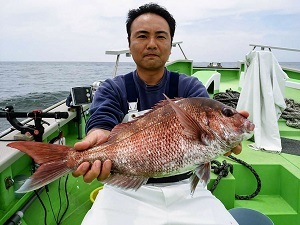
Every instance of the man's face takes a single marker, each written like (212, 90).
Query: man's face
(150, 41)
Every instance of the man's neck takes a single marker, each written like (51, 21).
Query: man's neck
(151, 77)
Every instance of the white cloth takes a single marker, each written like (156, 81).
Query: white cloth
(158, 204)
(262, 95)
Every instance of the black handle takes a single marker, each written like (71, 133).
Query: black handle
(56, 115)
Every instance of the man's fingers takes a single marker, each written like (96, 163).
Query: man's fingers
(83, 145)
(93, 173)
(228, 153)
(236, 150)
(88, 172)
(97, 170)
(82, 169)
(105, 171)
(244, 113)
(88, 142)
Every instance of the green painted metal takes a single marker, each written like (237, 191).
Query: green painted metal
(9, 201)
(294, 74)
(78, 194)
(181, 66)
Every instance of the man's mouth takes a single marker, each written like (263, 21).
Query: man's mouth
(151, 55)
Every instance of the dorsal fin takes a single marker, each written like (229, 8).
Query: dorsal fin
(117, 131)
(164, 102)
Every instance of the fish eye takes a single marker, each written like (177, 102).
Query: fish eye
(228, 112)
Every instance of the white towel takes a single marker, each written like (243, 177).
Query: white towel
(262, 95)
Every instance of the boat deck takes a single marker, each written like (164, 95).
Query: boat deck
(279, 197)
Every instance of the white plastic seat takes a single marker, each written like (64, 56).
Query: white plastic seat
(292, 83)
(209, 77)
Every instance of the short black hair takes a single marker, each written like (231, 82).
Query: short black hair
(150, 8)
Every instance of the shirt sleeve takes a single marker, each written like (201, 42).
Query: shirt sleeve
(107, 108)
(191, 87)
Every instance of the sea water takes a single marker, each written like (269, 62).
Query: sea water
(37, 85)
(28, 86)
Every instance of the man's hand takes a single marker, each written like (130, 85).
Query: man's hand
(98, 170)
(238, 149)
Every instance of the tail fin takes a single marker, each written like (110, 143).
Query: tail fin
(51, 159)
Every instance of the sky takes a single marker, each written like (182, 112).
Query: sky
(82, 30)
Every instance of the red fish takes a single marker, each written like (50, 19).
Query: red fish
(173, 138)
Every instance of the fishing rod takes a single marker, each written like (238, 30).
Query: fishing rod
(36, 130)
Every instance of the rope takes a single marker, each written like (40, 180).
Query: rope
(223, 169)
(258, 180)
(229, 97)
(292, 113)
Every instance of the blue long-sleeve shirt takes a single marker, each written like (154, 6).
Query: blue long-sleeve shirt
(110, 103)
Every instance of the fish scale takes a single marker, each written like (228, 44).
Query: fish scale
(175, 137)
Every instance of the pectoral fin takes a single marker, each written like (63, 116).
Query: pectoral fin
(202, 174)
(191, 127)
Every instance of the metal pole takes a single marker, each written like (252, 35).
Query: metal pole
(274, 47)
(182, 51)
(116, 65)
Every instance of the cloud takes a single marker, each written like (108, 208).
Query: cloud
(74, 30)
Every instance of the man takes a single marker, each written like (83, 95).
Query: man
(150, 31)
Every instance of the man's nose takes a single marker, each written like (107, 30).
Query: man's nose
(152, 43)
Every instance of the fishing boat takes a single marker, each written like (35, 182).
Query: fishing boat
(258, 179)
